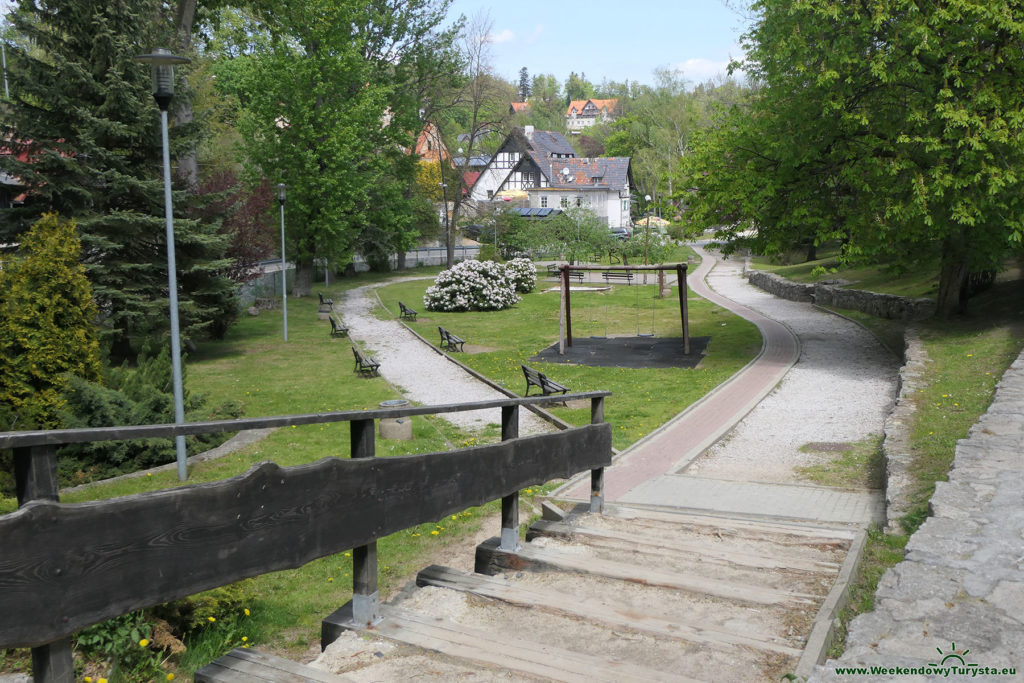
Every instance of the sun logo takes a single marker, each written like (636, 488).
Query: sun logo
(953, 654)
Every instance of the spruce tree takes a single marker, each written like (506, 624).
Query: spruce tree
(85, 140)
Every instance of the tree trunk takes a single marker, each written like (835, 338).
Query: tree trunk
(188, 165)
(812, 251)
(303, 284)
(952, 277)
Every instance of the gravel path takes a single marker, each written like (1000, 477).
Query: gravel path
(839, 391)
(420, 373)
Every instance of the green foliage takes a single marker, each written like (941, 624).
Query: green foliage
(47, 325)
(129, 396)
(85, 134)
(329, 100)
(124, 642)
(892, 126)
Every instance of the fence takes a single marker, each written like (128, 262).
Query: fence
(64, 567)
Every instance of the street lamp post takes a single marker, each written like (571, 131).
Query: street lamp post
(162, 63)
(281, 187)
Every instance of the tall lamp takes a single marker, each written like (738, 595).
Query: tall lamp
(162, 62)
(281, 188)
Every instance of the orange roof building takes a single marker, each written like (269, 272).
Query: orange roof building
(585, 113)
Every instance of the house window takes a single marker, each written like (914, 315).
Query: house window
(490, 194)
(527, 178)
(625, 206)
(565, 203)
(579, 201)
(544, 201)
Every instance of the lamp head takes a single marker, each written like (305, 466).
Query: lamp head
(162, 62)
(281, 187)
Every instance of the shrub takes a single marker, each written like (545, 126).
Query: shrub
(471, 286)
(522, 275)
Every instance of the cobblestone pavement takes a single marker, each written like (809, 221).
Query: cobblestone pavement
(957, 599)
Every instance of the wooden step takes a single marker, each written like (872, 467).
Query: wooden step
(811, 533)
(490, 559)
(511, 654)
(243, 665)
(596, 611)
(667, 546)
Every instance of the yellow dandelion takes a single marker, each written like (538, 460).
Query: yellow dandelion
(330, 578)
(87, 679)
(245, 639)
(434, 533)
(246, 611)
(143, 643)
(348, 554)
(211, 619)
(170, 677)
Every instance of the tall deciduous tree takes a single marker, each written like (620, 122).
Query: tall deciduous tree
(330, 104)
(894, 125)
(85, 137)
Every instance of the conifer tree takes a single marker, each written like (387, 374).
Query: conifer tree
(47, 325)
(85, 140)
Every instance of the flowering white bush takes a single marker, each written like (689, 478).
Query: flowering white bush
(471, 286)
(521, 275)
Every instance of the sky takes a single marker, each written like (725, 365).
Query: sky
(609, 39)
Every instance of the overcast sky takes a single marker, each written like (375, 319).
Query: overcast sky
(610, 39)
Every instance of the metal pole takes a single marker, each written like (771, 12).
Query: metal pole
(3, 56)
(284, 278)
(172, 281)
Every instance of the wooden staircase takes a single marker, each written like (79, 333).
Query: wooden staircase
(632, 595)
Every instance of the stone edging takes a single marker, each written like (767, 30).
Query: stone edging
(896, 444)
(962, 580)
(873, 303)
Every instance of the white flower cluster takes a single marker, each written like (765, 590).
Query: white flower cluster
(522, 275)
(471, 286)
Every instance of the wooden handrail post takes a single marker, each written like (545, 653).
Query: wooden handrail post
(365, 594)
(35, 476)
(597, 475)
(510, 503)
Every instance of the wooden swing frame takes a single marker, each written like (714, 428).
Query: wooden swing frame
(565, 313)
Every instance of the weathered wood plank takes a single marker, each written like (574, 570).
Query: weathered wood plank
(509, 653)
(490, 559)
(667, 546)
(818, 533)
(63, 567)
(243, 665)
(597, 610)
(166, 431)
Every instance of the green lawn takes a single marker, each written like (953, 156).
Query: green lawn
(641, 400)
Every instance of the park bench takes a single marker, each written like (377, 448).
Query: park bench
(407, 313)
(541, 381)
(244, 664)
(337, 328)
(323, 301)
(610, 275)
(450, 341)
(364, 364)
(555, 272)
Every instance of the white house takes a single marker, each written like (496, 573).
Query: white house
(585, 113)
(544, 165)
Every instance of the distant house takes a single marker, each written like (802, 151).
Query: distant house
(518, 108)
(429, 145)
(585, 113)
(543, 165)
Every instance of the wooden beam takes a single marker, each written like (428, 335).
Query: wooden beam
(63, 567)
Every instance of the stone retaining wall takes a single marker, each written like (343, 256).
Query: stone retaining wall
(879, 305)
(896, 444)
(960, 587)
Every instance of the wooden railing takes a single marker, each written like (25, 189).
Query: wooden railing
(66, 566)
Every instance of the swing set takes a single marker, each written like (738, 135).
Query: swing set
(565, 316)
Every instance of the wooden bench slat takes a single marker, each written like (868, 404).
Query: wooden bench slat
(542, 382)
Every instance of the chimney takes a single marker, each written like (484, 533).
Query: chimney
(528, 132)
